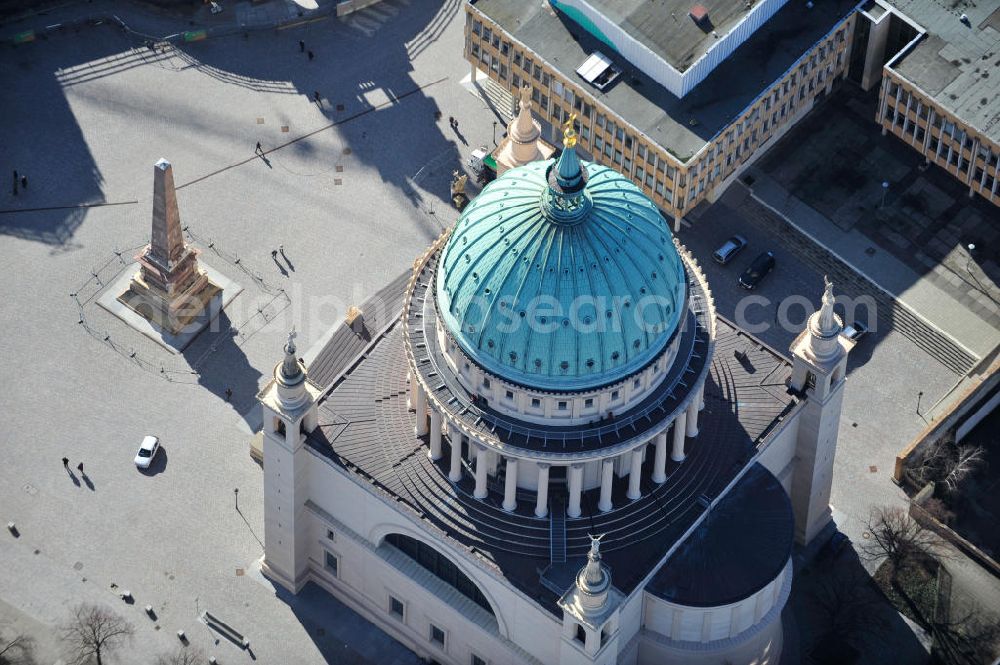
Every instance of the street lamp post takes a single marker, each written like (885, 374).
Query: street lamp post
(920, 396)
(236, 496)
(885, 191)
(968, 264)
(494, 133)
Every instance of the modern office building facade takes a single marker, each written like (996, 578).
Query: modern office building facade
(940, 87)
(782, 58)
(703, 90)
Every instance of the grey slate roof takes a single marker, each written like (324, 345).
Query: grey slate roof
(682, 126)
(958, 64)
(366, 429)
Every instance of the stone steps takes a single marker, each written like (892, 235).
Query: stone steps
(496, 97)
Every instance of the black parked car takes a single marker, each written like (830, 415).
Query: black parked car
(756, 271)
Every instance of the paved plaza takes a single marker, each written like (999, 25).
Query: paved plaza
(352, 187)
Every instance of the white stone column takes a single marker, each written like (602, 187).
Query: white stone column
(692, 418)
(542, 502)
(680, 425)
(420, 407)
(411, 396)
(575, 489)
(435, 443)
(660, 460)
(607, 478)
(510, 486)
(635, 474)
(455, 472)
(481, 491)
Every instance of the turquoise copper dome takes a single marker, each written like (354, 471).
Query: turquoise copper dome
(561, 276)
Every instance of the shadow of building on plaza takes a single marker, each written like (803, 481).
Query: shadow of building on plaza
(837, 614)
(399, 133)
(51, 149)
(382, 116)
(339, 633)
(221, 365)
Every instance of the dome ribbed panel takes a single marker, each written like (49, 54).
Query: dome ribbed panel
(582, 283)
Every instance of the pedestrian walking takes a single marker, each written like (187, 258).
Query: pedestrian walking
(258, 150)
(302, 46)
(281, 248)
(79, 467)
(451, 121)
(274, 255)
(229, 394)
(311, 55)
(316, 96)
(455, 125)
(66, 462)
(24, 182)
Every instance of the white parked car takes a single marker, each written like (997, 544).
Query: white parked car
(147, 451)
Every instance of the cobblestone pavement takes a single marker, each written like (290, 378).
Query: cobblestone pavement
(86, 113)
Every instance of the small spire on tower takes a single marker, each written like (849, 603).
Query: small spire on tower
(826, 320)
(524, 129)
(569, 171)
(290, 367)
(593, 573)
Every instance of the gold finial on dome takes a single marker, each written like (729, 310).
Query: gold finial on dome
(569, 134)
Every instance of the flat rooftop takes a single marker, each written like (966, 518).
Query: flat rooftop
(957, 64)
(665, 28)
(366, 429)
(681, 126)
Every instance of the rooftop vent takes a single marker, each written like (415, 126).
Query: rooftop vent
(699, 15)
(598, 71)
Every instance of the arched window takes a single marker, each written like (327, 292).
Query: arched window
(442, 568)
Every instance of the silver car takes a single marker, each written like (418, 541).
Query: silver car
(855, 331)
(729, 249)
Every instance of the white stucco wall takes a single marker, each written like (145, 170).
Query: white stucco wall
(367, 579)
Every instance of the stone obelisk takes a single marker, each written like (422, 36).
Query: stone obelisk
(170, 290)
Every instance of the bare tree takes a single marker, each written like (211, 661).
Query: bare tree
(95, 631)
(897, 537)
(970, 639)
(182, 656)
(17, 649)
(966, 462)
